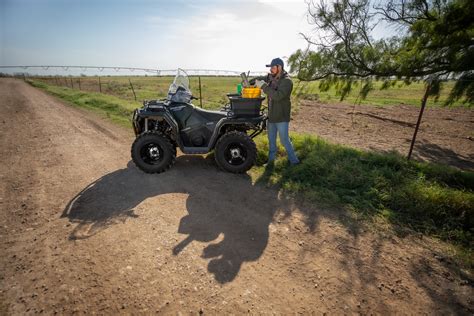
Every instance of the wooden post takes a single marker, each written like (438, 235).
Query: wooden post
(423, 104)
(72, 85)
(100, 86)
(79, 80)
(200, 92)
(133, 90)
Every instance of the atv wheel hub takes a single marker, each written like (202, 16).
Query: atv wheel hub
(154, 152)
(235, 153)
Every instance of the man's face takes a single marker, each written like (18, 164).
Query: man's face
(274, 70)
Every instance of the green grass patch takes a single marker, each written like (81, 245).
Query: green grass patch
(431, 199)
(112, 107)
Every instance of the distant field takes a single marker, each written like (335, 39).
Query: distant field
(214, 90)
(399, 93)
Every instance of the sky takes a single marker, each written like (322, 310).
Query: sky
(163, 34)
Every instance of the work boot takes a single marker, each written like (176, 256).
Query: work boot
(270, 164)
(292, 164)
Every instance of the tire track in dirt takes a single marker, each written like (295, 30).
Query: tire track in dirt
(82, 230)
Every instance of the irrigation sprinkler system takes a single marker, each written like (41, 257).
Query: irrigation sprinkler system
(157, 72)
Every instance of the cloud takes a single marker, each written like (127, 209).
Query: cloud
(234, 36)
(207, 34)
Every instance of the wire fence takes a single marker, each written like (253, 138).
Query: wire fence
(210, 90)
(130, 82)
(139, 85)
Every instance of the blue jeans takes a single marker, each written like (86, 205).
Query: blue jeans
(282, 129)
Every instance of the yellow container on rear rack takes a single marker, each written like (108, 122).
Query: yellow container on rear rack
(251, 93)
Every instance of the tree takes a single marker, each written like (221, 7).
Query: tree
(436, 41)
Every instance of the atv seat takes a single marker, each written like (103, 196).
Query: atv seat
(213, 116)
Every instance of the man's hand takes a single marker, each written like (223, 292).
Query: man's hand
(259, 83)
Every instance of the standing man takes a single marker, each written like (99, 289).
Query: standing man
(277, 85)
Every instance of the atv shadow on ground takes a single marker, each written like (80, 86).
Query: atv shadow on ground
(218, 203)
(230, 218)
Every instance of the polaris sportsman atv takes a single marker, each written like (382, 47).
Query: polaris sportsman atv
(163, 125)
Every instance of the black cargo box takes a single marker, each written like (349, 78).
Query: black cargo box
(244, 107)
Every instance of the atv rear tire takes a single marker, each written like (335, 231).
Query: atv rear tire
(235, 152)
(152, 152)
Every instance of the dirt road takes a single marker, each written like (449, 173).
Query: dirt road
(82, 230)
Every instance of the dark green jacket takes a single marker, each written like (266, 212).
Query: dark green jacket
(279, 93)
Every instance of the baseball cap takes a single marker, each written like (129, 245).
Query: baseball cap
(275, 62)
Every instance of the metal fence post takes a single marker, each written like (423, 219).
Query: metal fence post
(133, 90)
(200, 92)
(423, 104)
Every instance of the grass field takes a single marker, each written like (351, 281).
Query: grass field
(114, 108)
(214, 90)
(422, 197)
(398, 93)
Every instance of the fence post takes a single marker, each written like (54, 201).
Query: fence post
(200, 93)
(133, 90)
(72, 84)
(423, 104)
(79, 80)
(100, 86)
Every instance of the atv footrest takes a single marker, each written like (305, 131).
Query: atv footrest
(195, 150)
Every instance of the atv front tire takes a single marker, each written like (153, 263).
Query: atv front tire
(235, 152)
(152, 152)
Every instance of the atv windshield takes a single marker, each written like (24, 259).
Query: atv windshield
(181, 79)
(179, 90)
